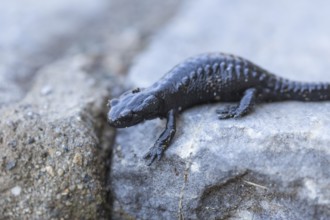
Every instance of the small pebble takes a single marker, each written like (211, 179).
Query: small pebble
(11, 165)
(12, 143)
(65, 192)
(60, 172)
(72, 188)
(77, 159)
(31, 140)
(65, 148)
(30, 114)
(80, 186)
(16, 191)
(50, 170)
(46, 90)
(87, 178)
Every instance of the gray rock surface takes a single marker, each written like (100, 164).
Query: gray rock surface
(271, 164)
(59, 62)
(52, 161)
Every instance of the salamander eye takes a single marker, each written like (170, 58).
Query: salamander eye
(136, 90)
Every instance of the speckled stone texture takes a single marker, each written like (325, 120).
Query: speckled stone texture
(271, 164)
(52, 162)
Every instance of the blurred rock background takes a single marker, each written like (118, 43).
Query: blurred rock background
(62, 60)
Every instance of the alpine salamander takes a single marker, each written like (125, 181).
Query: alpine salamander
(206, 78)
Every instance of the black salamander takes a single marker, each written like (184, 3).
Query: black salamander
(207, 78)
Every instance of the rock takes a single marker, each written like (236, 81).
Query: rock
(77, 159)
(16, 190)
(66, 125)
(11, 165)
(271, 164)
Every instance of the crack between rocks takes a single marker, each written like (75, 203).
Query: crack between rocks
(185, 176)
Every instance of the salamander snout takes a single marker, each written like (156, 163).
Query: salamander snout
(120, 119)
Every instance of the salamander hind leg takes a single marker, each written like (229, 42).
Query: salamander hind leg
(163, 141)
(244, 107)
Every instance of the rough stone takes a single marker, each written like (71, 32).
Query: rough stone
(68, 116)
(271, 164)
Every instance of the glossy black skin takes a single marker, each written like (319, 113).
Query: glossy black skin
(206, 78)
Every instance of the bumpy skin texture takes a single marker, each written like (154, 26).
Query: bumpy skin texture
(212, 77)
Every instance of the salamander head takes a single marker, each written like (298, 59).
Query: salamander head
(133, 107)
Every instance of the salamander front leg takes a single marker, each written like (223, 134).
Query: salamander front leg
(164, 139)
(245, 106)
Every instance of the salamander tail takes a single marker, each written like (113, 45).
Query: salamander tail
(302, 91)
